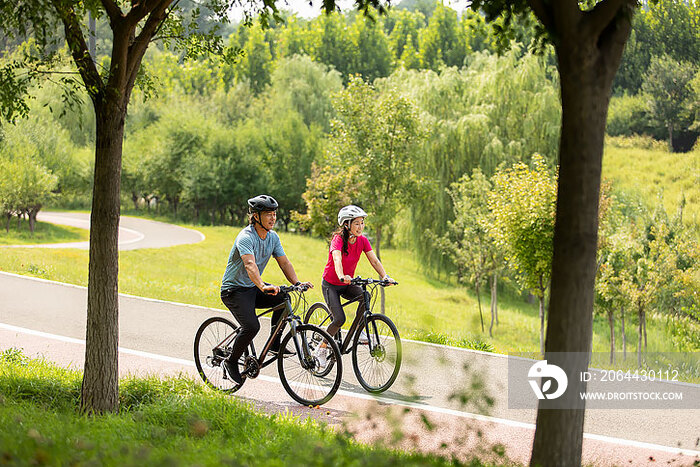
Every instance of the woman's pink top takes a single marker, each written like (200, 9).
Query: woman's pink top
(349, 261)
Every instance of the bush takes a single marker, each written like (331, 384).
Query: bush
(628, 115)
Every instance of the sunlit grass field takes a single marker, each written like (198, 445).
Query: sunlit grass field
(421, 307)
(43, 233)
(649, 173)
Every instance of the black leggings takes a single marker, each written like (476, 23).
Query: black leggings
(332, 294)
(242, 301)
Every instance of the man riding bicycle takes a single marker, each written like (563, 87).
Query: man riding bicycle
(242, 287)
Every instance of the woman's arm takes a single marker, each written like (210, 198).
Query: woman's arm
(376, 264)
(338, 266)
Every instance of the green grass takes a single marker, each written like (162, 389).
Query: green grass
(422, 308)
(171, 422)
(43, 233)
(647, 172)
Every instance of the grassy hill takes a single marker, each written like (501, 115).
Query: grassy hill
(646, 169)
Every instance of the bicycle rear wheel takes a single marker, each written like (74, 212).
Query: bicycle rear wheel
(377, 363)
(305, 375)
(212, 345)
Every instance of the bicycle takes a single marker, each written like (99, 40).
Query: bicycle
(303, 376)
(376, 363)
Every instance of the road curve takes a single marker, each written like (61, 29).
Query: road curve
(134, 233)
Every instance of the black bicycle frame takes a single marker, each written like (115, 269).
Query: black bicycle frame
(345, 346)
(287, 316)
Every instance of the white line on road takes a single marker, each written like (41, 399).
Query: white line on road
(385, 400)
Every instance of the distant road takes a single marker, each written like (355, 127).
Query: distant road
(134, 232)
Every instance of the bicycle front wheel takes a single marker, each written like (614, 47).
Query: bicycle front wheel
(212, 345)
(377, 362)
(311, 370)
(318, 315)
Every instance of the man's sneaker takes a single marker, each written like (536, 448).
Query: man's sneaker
(321, 355)
(363, 338)
(231, 369)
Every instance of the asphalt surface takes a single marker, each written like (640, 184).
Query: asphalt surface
(432, 377)
(450, 385)
(133, 232)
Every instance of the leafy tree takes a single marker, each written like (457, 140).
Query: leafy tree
(468, 241)
(327, 189)
(588, 39)
(294, 38)
(523, 202)
(373, 55)
(256, 64)
(25, 187)
(668, 85)
(332, 44)
(133, 30)
(442, 42)
(403, 39)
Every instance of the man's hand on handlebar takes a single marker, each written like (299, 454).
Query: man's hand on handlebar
(305, 285)
(271, 289)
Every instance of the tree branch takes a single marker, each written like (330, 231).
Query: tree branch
(543, 13)
(138, 47)
(79, 49)
(600, 17)
(113, 11)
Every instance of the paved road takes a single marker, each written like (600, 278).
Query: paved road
(429, 376)
(133, 232)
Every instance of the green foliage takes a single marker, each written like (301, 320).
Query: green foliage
(173, 421)
(629, 115)
(670, 93)
(523, 203)
(442, 42)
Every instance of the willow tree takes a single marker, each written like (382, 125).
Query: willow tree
(588, 37)
(135, 25)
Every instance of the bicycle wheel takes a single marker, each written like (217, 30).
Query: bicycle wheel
(212, 345)
(306, 377)
(318, 315)
(377, 363)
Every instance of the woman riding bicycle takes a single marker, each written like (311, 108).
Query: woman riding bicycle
(347, 245)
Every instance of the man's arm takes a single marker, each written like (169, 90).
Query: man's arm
(287, 268)
(253, 271)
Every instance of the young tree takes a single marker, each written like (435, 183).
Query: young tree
(442, 42)
(467, 241)
(523, 202)
(133, 29)
(588, 38)
(668, 85)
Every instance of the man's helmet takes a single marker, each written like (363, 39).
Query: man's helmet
(262, 203)
(350, 212)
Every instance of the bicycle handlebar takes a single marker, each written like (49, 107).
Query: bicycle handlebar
(360, 281)
(294, 288)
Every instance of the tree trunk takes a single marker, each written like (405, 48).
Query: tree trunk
(611, 323)
(8, 215)
(589, 48)
(670, 137)
(478, 300)
(541, 301)
(32, 218)
(100, 391)
(639, 338)
(494, 303)
(135, 200)
(624, 337)
(644, 329)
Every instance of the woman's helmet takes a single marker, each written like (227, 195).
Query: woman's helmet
(349, 213)
(262, 203)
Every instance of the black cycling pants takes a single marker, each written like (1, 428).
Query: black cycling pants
(332, 294)
(242, 301)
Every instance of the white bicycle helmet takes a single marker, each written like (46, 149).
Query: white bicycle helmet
(350, 212)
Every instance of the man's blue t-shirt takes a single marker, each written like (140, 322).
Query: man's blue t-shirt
(248, 242)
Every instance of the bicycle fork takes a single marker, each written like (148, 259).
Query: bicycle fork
(301, 343)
